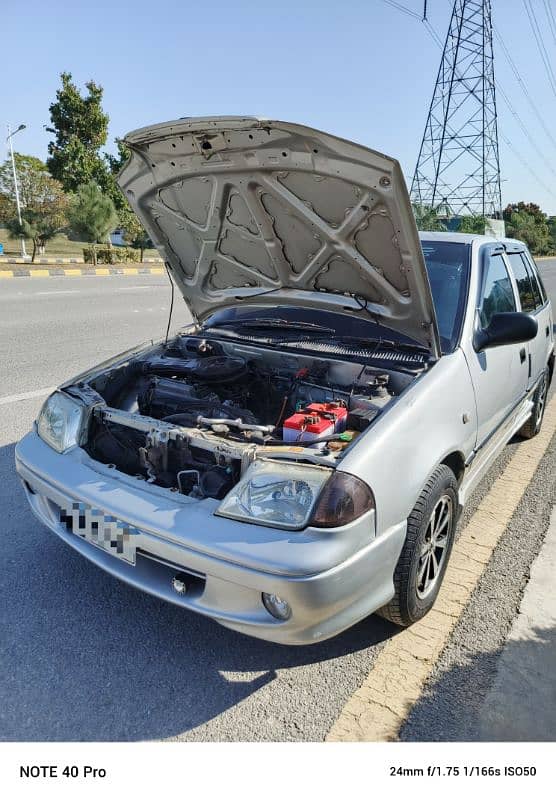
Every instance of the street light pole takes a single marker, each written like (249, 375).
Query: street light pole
(18, 204)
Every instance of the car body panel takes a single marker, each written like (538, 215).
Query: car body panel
(325, 602)
(243, 207)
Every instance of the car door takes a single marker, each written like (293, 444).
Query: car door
(499, 374)
(533, 300)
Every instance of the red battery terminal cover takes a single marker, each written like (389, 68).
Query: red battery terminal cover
(315, 421)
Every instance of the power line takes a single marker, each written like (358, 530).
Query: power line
(527, 166)
(524, 128)
(540, 43)
(551, 19)
(402, 8)
(524, 88)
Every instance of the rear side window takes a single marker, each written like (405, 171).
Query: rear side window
(497, 295)
(528, 298)
(535, 275)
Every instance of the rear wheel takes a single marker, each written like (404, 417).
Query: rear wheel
(534, 423)
(430, 534)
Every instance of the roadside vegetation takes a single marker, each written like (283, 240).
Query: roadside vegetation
(71, 203)
(524, 221)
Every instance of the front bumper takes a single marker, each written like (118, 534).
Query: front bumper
(328, 584)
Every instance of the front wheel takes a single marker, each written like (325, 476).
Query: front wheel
(430, 535)
(534, 423)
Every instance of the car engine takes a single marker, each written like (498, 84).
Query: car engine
(192, 414)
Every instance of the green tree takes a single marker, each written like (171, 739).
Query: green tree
(81, 129)
(472, 224)
(43, 202)
(33, 181)
(552, 233)
(427, 218)
(135, 235)
(92, 215)
(39, 226)
(527, 222)
(7, 208)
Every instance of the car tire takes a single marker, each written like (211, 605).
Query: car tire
(534, 423)
(422, 563)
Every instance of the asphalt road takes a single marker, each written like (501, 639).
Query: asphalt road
(84, 657)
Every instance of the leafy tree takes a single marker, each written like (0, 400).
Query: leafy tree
(532, 209)
(7, 208)
(135, 235)
(552, 233)
(33, 181)
(427, 218)
(38, 226)
(43, 202)
(81, 129)
(526, 221)
(92, 215)
(472, 224)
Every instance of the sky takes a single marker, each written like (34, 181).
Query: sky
(356, 68)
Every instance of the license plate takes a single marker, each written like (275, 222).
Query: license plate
(104, 531)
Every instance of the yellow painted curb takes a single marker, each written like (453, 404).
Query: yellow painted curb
(378, 709)
(6, 273)
(102, 271)
(73, 272)
(157, 271)
(39, 273)
(129, 271)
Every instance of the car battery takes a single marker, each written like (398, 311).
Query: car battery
(306, 426)
(336, 412)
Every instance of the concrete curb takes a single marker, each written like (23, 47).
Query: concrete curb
(59, 260)
(377, 710)
(56, 272)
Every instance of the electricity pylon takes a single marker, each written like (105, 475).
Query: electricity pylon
(458, 169)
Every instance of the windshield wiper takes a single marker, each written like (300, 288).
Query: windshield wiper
(389, 344)
(284, 325)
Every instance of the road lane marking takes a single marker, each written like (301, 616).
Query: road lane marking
(16, 398)
(379, 708)
(57, 291)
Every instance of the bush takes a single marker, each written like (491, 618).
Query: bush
(111, 255)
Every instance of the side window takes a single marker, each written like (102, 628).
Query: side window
(497, 295)
(524, 282)
(535, 275)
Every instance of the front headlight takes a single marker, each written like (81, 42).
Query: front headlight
(294, 496)
(60, 421)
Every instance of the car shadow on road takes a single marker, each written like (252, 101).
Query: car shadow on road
(85, 657)
(502, 695)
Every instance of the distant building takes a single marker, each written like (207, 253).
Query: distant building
(117, 237)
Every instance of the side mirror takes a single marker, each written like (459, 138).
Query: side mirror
(509, 327)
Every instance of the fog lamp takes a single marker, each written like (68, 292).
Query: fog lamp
(179, 583)
(276, 606)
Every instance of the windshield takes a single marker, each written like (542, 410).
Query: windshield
(448, 271)
(447, 267)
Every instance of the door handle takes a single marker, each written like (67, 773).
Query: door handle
(547, 330)
(522, 355)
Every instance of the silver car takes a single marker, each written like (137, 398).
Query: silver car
(297, 458)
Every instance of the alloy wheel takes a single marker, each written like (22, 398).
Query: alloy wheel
(433, 550)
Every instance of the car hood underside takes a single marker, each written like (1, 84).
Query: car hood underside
(252, 210)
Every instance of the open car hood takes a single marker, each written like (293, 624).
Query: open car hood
(252, 210)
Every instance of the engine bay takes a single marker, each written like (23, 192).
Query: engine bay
(192, 414)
